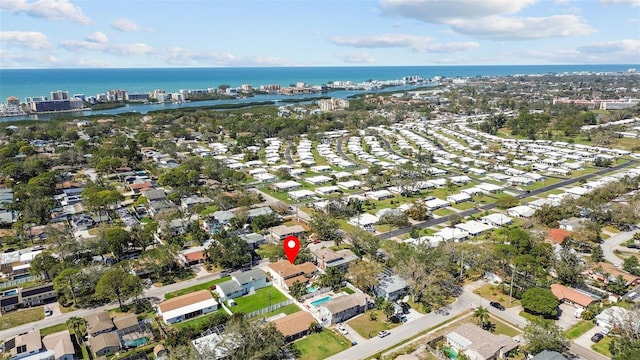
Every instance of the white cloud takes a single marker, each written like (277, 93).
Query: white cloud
(621, 2)
(129, 49)
(90, 63)
(97, 37)
(127, 25)
(12, 59)
(504, 28)
(382, 41)
(441, 11)
(626, 51)
(630, 46)
(451, 47)
(414, 42)
(73, 45)
(489, 19)
(48, 9)
(356, 57)
(26, 39)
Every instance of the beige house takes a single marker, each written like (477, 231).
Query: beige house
(479, 344)
(104, 344)
(60, 343)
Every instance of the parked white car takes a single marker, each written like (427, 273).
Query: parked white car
(342, 329)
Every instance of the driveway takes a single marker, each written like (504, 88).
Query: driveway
(585, 342)
(567, 317)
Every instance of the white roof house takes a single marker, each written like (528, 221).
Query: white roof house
(287, 185)
(522, 211)
(348, 185)
(577, 190)
(265, 177)
(458, 198)
(187, 306)
(490, 188)
(474, 228)
(451, 234)
(301, 194)
(326, 190)
(436, 203)
(320, 179)
(379, 194)
(496, 219)
(363, 220)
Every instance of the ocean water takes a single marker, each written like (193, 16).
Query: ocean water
(40, 82)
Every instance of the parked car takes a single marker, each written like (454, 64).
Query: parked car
(342, 330)
(383, 333)
(47, 311)
(597, 337)
(497, 305)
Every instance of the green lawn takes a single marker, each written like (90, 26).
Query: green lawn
(443, 212)
(53, 329)
(269, 251)
(504, 329)
(493, 293)
(322, 345)
(20, 317)
(611, 229)
(464, 205)
(528, 316)
(579, 329)
(197, 322)
(205, 286)
(348, 290)
(260, 300)
(367, 328)
(603, 346)
(287, 310)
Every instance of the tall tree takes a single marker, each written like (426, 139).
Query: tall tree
(45, 264)
(248, 339)
(116, 284)
(325, 227)
(541, 334)
(66, 281)
(482, 314)
(365, 274)
(79, 326)
(540, 301)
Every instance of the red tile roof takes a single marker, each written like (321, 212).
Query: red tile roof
(558, 235)
(194, 256)
(564, 293)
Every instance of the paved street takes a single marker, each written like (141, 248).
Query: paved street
(467, 301)
(609, 245)
(157, 292)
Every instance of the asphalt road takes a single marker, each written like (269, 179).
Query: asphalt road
(342, 154)
(287, 155)
(153, 292)
(467, 301)
(522, 196)
(609, 245)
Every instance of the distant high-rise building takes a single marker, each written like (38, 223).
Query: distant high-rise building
(13, 101)
(59, 95)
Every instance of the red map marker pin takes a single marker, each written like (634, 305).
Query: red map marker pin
(291, 246)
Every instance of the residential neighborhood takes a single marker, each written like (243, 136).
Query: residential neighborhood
(462, 220)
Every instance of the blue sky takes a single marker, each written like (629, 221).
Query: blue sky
(212, 33)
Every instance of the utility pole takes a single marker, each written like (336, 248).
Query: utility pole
(461, 266)
(513, 274)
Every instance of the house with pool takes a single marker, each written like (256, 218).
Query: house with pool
(285, 273)
(342, 308)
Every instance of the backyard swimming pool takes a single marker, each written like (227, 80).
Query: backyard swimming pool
(136, 342)
(320, 301)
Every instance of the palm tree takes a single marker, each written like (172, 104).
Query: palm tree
(78, 325)
(482, 314)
